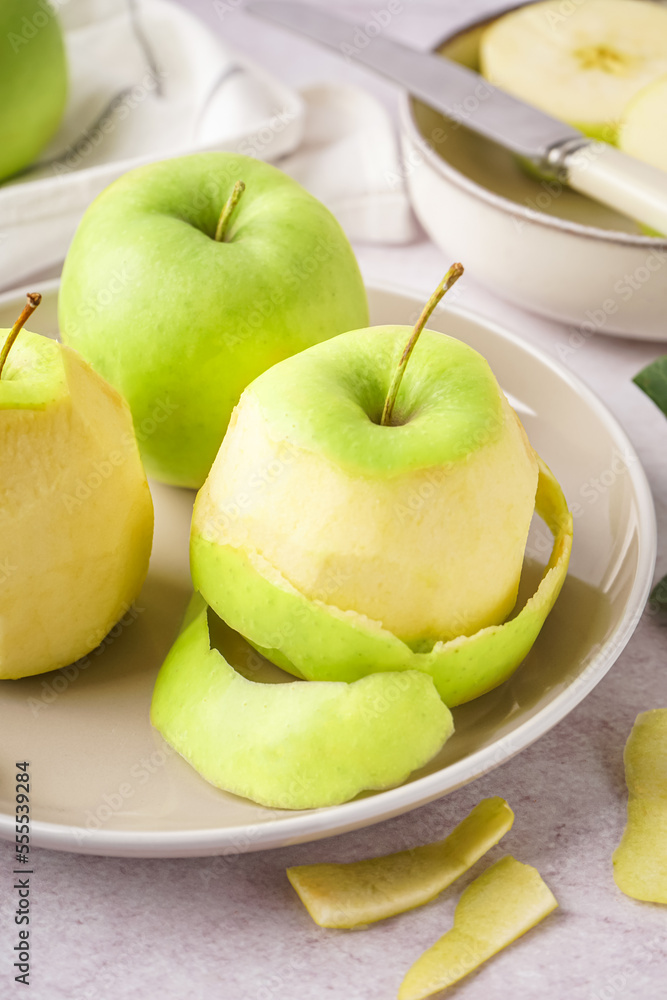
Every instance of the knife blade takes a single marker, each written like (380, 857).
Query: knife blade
(594, 168)
(455, 90)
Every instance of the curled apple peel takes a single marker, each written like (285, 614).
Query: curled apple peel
(498, 907)
(294, 745)
(640, 860)
(318, 641)
(363, 892)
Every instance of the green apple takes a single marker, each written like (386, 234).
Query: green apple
(76, 516)
(340, 545)
(33, 81)
(295, 745)
(502, 904)
(581, 65)
(180, 289)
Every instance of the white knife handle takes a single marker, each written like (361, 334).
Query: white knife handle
(614, 178)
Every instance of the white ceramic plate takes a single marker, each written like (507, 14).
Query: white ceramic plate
(103, 782)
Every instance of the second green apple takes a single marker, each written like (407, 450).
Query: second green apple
(187, 279)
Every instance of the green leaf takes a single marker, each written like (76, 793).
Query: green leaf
(658, 596)
(653, 381)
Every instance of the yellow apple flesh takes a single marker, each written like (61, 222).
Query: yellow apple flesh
(76, 516)
(428, 543)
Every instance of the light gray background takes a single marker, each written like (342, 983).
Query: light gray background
(231, 928)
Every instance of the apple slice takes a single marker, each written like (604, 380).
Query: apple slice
(294, 745)
(642, 133)
(498, 907)
(582, 64)
(363, 892)
(640, 860)
(316, 640)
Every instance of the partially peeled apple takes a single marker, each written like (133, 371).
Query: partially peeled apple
(299, 543)
(299, 539)
(76, 516)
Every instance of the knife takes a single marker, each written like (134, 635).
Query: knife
(594, 168)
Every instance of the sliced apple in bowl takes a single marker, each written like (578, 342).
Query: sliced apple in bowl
(581, 62)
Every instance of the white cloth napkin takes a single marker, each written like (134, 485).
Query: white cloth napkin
(348, 158)
(148, 81)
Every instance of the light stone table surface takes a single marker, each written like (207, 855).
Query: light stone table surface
(231, 928)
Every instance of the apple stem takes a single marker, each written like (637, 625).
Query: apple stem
(454, 273)
(227, 211)
(34, 298)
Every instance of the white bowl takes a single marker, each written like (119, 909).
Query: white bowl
(535, 243)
